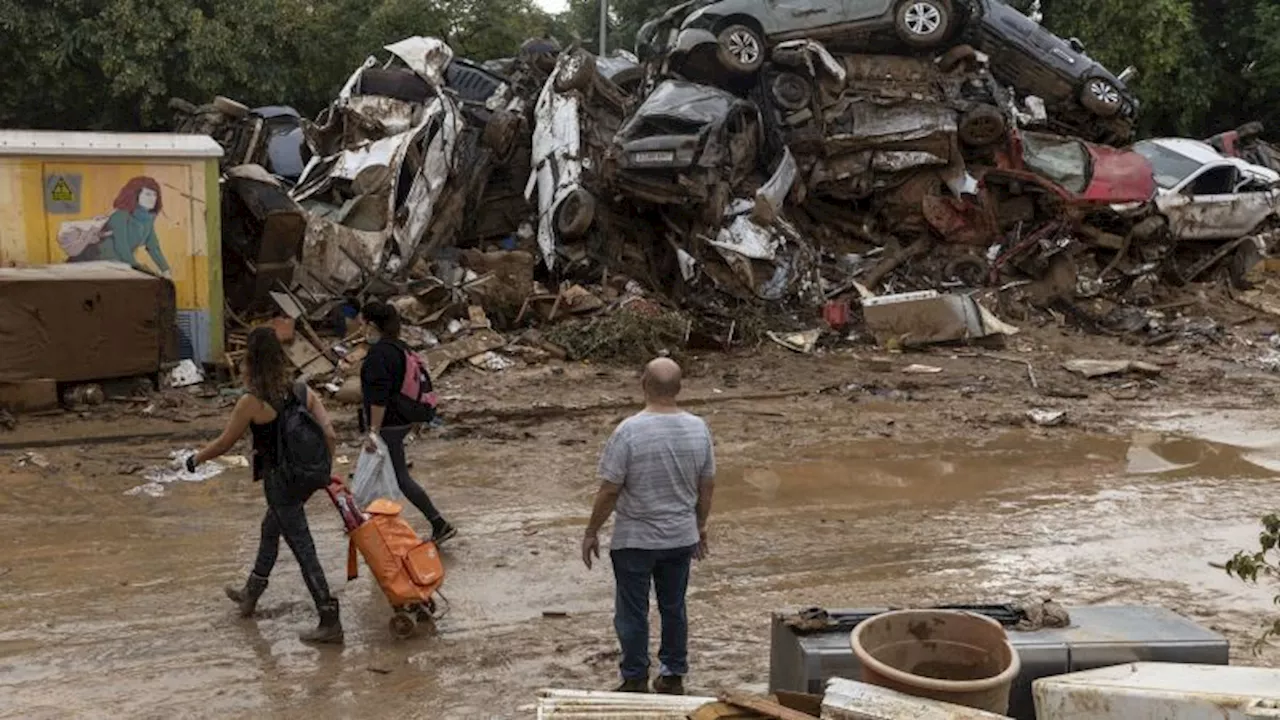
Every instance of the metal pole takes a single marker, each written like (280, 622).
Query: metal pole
(604, 26)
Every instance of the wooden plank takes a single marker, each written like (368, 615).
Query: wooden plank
(439, 359)
(766, 707)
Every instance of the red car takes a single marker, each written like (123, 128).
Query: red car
(1082, 172)
(1039, 178)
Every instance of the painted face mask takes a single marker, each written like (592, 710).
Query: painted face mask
(147, 199)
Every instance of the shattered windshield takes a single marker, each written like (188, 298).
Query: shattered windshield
(1062, 160)
(1170, 167)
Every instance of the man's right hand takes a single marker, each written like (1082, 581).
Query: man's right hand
(590, 548)
(700, 551)
(371, 442)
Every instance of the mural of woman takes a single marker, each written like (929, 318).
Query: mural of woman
(130, 226)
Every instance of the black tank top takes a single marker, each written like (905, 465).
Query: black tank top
(265, 444)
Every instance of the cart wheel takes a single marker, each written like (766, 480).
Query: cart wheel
(403, 625)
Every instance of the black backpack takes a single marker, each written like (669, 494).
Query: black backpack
(301, 451)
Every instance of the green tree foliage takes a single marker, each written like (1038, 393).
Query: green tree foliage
(1249, 565)
(1204, 65)
(114, 64)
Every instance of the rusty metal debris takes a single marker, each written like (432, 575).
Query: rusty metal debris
(744, 193)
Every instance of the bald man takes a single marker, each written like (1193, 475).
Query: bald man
(658, 471)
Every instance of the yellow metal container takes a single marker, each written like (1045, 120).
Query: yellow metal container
(147, 199)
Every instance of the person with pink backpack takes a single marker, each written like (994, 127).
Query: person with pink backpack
(397, 393)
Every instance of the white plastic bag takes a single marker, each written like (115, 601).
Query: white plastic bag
(375, 477)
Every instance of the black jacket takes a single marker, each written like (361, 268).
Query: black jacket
(381, 377)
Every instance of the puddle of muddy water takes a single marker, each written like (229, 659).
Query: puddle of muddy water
(952, 470)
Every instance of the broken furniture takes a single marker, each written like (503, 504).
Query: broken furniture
(805, 654)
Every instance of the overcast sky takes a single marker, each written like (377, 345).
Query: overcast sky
(552, 6)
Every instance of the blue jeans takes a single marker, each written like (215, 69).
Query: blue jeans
(668, 572)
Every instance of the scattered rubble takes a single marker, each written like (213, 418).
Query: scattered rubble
(723, 188)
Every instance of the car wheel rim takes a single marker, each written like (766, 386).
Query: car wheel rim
(743, 46)
(923, 19)
(1105, 93)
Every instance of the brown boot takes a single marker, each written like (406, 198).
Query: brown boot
(329, 631)
(634, 685)
(668, 685)
(247, 597)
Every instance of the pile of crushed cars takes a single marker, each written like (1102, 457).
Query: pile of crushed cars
(771, 156)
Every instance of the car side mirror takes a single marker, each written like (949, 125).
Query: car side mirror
(1076, 45)
(1128, 74)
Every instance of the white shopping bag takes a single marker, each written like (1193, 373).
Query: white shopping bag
(375, 477)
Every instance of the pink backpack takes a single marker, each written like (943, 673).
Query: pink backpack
(417, 399)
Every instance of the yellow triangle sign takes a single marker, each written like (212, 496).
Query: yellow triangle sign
(62, 192)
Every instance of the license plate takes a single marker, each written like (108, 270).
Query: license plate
(659, 156)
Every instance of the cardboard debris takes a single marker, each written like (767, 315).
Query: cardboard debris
(1100, 368)
(440, 358)
(307, 359)
(491, 361)
(801, 342)
(1047, 418)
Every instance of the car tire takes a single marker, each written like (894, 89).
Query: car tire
(1100, 97)
(923, 23)
(740, 49)
(968, 269)
(575, 72)
(230, 107)
(575, 214)
(981, 126)
(790, 91)
(959, 56)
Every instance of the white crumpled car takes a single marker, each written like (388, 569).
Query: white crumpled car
(384, 152)
(1207, 196)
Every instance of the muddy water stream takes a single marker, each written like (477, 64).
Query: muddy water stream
(112, 605)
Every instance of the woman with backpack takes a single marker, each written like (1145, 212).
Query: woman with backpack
(271, 400)
(388, 412)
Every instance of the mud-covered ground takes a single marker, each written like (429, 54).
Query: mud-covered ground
(844, 482)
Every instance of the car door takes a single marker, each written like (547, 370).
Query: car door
(1208, 208)
(793, 16)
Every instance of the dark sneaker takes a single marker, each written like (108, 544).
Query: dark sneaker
(634, 685)
(329, 631)
(247, 597)
(668, 685)
(443, 532)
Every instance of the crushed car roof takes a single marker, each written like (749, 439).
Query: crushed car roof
(687, 101)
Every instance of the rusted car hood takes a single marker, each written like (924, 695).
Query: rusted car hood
(1119, 176)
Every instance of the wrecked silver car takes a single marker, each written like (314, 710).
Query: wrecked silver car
(742, 31)
(578, 111)
(1204, 195)
(687, 143)
(384, 152)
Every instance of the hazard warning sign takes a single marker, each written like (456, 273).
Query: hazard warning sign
(62, 194)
